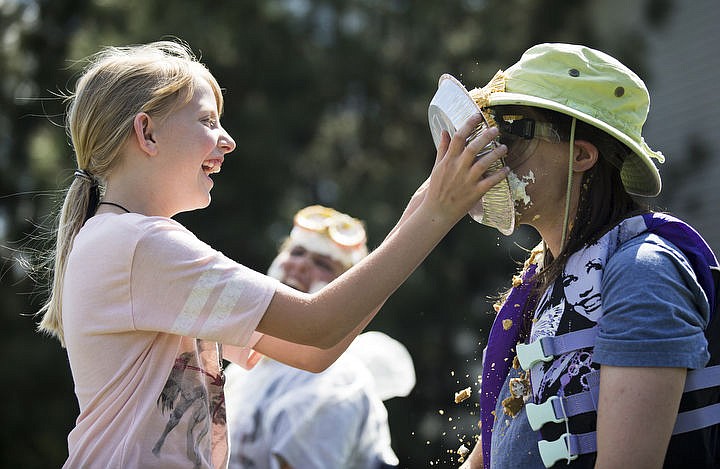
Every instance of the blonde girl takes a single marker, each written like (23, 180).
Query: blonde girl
(145, 309)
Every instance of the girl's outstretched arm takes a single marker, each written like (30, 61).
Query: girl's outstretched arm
(457, 182)
(315, 359)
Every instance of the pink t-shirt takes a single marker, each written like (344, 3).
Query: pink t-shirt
(146, 306)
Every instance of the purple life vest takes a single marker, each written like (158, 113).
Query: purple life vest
(503, 342)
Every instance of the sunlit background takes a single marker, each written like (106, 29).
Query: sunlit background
(327, 101)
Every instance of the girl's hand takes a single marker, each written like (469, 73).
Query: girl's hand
(459, 179)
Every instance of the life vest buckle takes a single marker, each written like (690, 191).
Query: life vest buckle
(529, 354)
(540, 414)
(554, 451)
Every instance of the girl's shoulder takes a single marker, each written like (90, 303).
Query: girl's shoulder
(134, 225)
(139, 234)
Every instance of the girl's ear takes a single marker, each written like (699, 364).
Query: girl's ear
(143, 133)
(585, 156)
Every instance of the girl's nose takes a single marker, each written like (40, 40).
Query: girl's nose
(227, 144)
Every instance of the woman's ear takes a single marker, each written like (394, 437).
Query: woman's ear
(143, 133)
(585, 156)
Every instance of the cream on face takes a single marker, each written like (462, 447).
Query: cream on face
(517, 187)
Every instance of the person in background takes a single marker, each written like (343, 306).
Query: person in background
(604, 352)
(145, 308)
(284, 417)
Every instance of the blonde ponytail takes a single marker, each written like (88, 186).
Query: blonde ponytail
(79, 204)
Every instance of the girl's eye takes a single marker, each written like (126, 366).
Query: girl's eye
(210, 122)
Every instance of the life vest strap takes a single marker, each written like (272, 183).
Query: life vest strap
(696, 419)
(702, 378)
(558, 409)
(546, 348)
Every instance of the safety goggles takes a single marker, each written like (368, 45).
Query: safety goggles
(342, 229)
(516, 126)
(516, 130)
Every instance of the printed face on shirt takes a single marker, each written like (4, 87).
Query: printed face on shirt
(580, 293)
(193, 145)
(306, 270)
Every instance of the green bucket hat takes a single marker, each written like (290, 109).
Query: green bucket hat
(591, 86)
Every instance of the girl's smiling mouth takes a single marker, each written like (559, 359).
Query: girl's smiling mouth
(212, 166)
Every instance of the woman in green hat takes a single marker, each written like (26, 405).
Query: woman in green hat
(601, 354)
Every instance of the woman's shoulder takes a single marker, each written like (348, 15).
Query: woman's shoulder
(655, 266)
(649, 250)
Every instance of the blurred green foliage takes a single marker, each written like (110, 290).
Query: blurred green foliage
(327, 101)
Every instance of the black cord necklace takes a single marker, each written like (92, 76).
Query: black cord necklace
(115, 205)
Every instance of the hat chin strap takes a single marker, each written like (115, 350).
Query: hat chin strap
(566, 218)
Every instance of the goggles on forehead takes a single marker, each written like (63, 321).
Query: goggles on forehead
(342, 229)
